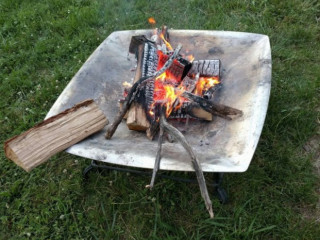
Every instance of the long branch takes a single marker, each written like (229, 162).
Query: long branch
(158, 158)
(195, 162)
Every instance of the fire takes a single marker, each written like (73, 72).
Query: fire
(126, 84)
(168, 89)
(170, 98)
(205, 83)
(190, 58)
(166, 93)
(151, 20)
(168, 45)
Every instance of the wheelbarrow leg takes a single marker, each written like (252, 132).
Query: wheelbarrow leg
(87, 170)
(219, 190)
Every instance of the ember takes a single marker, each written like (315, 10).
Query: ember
(167, 85)
(151, 20)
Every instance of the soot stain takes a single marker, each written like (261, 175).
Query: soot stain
(215, 50)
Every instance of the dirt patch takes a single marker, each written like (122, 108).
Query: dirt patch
(312, 147)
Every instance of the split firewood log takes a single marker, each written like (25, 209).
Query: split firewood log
(55, 134)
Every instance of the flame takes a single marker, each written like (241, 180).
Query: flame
(168, 45)
(162, 76)
(205, 83)
(168, 89)
(151, 20)
(166, 94)
(170, 98)
(190, 58)
(151, 111)
(126, 84)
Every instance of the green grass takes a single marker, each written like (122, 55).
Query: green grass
(44, 43)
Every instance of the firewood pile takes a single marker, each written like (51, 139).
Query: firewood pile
(168, 86)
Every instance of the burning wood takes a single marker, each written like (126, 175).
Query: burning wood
(133, 92)
(145, 53)
(206, 67)
(169, 86)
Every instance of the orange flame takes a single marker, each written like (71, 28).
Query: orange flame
(205, 83)
(168, 89)
(190, 58)
(166, 42)
(151, 20)
(170, 98)
(167, 93)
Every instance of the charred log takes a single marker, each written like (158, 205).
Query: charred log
(206, 67)
(136, 41)
(214, 108)
(153, 130)
(146, 66)
(210, 92)
(194, 110)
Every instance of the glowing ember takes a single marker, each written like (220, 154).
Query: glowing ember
(167, 93)
(169, 87)
(151, 20)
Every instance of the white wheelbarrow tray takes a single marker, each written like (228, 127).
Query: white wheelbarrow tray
(221, 145)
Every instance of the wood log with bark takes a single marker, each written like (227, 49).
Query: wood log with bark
(136, 116)
(206, 67)
(55, 134)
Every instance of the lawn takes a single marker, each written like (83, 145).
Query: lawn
(44, 43)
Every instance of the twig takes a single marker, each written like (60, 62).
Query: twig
(133, 92)
(125, 107)
(158, 158)
(195, 162)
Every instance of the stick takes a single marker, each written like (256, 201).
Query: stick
(133, 92)
(127, 102)
(158, 158)
(195, 162)
(214, 108)
(152, 130)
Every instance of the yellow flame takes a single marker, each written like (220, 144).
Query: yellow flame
(126, 84)
(190, 58)
(204, 84)
(170, 98)
(166, 42)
